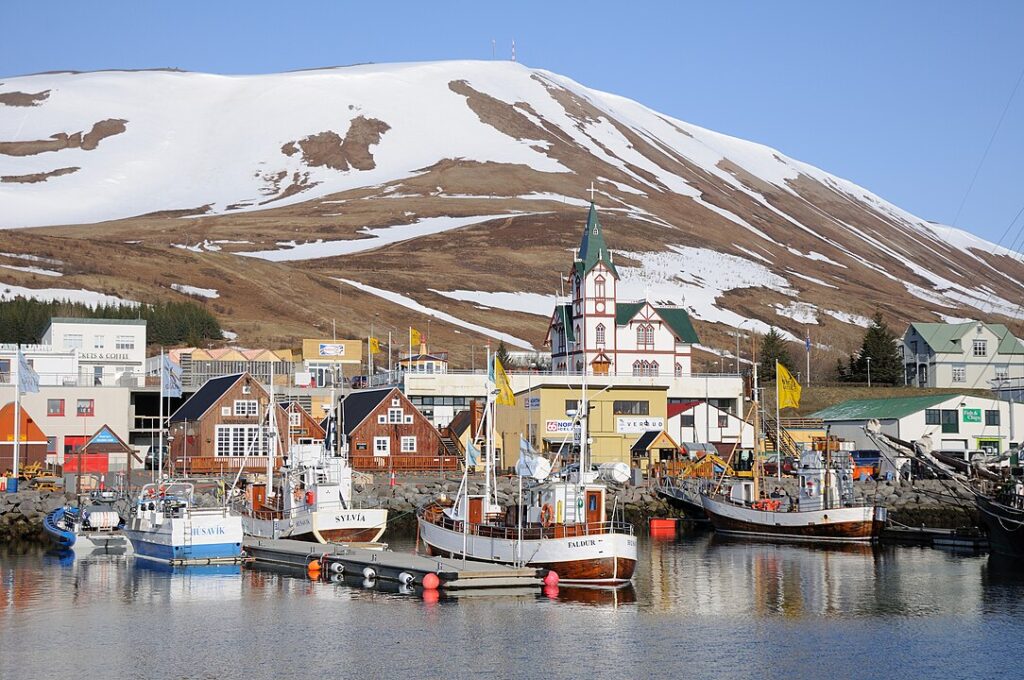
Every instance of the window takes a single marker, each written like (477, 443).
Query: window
(124, 342)
(381, 419)
(408, 444)
(54, 407)
(686, 420)
(1002, 372)
(679, 370)
(572, 405)
(381, 446)
(723, 420)
(959, 373)
(950, 421)
(913, 347)
(225, 410)
(652, 368)
(644, 335)
(992, 417)
(395, 416)
(246, 389)
(5, 370)
(599, 334)
(408, 420)
(246, 408)
(51, 445)
(932, 416)
(73, 341)
(396, 402)
(97, 375)
(638, 367)
(97, 342)
(361, 446)
(599, 287)
(980, 348)
(294, 420)
(631, 408)
(85, 408)
(238, 441)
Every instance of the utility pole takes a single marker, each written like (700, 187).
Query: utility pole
(869, 371)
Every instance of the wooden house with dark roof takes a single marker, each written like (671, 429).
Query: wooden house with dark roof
(222, 427)
(385, 432)
(296, 425)
(595, 330)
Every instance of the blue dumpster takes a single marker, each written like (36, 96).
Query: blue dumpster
(12, 485)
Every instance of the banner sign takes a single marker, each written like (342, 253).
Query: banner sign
(558, 426)
(532, 403)
(332, 349)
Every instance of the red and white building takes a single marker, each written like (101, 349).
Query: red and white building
(610, 336)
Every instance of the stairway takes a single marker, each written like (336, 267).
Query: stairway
(451, 447)
(772, 432)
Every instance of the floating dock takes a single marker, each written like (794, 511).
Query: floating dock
(958, 539)
(376, 563)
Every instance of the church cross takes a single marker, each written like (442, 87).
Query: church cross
(592, 191)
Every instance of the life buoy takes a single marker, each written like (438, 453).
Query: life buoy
(547, 515)
(310, 497)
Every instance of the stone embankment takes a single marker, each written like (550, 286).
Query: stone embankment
(926, 502)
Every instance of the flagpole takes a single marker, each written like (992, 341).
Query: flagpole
(808, 347)
(160, 435)
(778, 427)
(17, 416)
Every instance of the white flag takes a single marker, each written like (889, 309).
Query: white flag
(531, 463)
(28, 379)
(171, 377)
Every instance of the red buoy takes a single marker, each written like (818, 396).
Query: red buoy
(551, 578)
(431, 582)
(310, 497)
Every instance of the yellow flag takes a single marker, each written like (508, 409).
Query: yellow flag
(374, 346)
(415, 337)
(505, 395)
(789, 388)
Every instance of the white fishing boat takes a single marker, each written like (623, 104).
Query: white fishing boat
(561, 524)
(166, 525)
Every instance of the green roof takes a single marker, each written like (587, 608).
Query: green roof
(944, 338)
(120, 322)
(882, 409)
(675, 318)
(593, 249)
(679, 321)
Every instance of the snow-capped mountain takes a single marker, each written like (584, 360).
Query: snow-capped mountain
(458, 184)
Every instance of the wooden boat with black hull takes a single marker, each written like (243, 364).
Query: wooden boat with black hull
(559, 524)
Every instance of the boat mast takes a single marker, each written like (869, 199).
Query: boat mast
(758, 439)
(272, 448)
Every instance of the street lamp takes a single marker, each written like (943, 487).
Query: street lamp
(869, 371)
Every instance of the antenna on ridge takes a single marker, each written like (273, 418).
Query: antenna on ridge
(513, 50)
(494, 48)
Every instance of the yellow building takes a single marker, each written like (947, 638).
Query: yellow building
(618, 417)
(324, 365)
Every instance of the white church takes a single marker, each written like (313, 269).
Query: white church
(593, 328)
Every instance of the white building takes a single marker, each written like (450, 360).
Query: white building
(964, 355)
(110, 351)
(596, 330)
(955, 422)
(53, 366)
(698, 421)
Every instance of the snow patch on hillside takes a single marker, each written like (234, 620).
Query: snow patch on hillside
(195, 291)
(32, 270)
(409, 303)
(696, 278)
(379, 237)
(847, 317)
(88, 297)
(801, 312)
(527, 303)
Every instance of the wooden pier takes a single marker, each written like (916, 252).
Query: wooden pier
(403, 568)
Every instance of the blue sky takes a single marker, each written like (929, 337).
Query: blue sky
(900, 97)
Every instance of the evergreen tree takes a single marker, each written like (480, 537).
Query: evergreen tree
(502, 355)
(773, 348)
(880, 345)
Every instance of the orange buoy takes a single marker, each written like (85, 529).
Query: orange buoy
(310, 497)
(431, 582)
(313, 569)
(551, 578)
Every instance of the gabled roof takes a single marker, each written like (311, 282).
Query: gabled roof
(676, 409)
(205, 397)
(944, 338)
(103, 440)
(359, 404)
(676, 318)
(593, 249)
(461, 422)
(563, 315)
(652, 437)
(882, 409)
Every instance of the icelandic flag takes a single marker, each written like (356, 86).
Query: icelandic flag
(170, 375)
(28, 379)
(807, 341)
(472, 455)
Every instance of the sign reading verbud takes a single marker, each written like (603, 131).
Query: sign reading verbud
(638, 424)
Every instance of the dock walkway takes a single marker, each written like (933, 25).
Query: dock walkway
(404, 568)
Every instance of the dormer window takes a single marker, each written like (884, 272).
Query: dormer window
(599, 287)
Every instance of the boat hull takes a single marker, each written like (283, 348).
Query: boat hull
(204, 535)
(594, 559)
(862, 524)
(1005, 527)
(343, 526)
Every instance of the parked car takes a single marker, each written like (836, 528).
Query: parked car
(789, 465)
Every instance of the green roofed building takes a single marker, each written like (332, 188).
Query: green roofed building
(953, 422)
(968, 355)
(597, 330)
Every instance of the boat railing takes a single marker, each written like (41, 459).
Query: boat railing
(1010, 500)
(530, 530)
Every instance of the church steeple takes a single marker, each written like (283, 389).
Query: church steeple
(593, 249)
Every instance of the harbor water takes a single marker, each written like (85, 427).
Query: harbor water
(700, 607)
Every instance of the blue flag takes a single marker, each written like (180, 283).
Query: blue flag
(472, 455)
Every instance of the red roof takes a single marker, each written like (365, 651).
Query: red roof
(676, 409)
